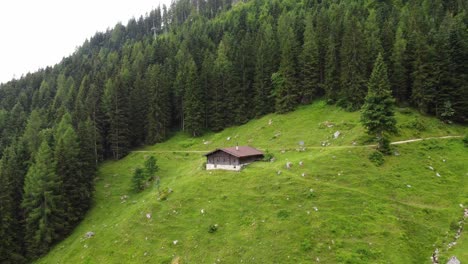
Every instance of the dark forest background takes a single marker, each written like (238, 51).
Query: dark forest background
(203, 65)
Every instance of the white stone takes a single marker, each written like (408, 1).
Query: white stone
(409, 186)
(148, 215)
(438, 174)
(175, 242)
(228, 138)
(453, 260)
(316, 209)
(336, 134)
(202, 211)
(431, 168)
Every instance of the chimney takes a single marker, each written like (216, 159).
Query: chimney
(237, 146)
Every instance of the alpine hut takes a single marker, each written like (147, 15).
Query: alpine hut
(233, 158)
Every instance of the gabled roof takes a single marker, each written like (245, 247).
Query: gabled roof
(243, 151)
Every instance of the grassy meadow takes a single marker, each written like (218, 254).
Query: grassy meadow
(337, 208)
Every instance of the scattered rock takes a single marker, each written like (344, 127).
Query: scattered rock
(354, 143)
(443, 160)
(431, 168)
(270, 122)
(437, 174)
(228, 138)
(315, 208)
(175, 242)
(396, 153)
(202, 211)
(145, 254)
(176, 260)
(303, 174)
(278, 172)
(148, 215)
(89, 234)
(453, 260)
(336, 134)
(311, 190)
(409, 186)
(461, 205)
(272, 160)
(207, 142)
(289, 165)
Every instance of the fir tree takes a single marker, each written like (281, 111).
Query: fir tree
(68, 170)
(193, 106)
(159, 107)
(286, 90)
(377, 115)
(264, 68)
(310, 72)
(42, 203)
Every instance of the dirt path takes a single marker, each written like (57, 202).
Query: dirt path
(314, 147)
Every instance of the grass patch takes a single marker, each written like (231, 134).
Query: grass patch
(338, 207)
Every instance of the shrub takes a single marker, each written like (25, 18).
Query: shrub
(377, 158)
(465, 140)
(138, 180)
(213, 228)
(268, 156)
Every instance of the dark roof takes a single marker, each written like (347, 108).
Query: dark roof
(243, 151)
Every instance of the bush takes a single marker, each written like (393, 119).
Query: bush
(465, 140)
(213, 228)
(138, 180)
(377, 158)
(268, 156)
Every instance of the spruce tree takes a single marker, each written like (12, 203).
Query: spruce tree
(265, 66)
(377, 115)
(42, 203)
(67, 152)
(159, 105)
(310, 72)
(286, 90)
(193, 105)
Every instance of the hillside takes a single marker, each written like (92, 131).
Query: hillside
(344, 210)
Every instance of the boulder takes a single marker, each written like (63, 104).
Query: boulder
(453, 260)
(89, 234)
(336, 134)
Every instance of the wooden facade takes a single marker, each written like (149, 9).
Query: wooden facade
(232, 158)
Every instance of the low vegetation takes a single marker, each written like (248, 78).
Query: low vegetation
(338, 207)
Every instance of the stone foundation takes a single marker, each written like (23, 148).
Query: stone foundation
(223, 167)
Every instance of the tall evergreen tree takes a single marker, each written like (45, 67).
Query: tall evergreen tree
(265, 66)
(353, 64)
(42, 203)
(286, 90)
(193, 106)
(68, 170)
(310, 72)
(377, 115)
(159, 106)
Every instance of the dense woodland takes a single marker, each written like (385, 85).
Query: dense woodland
(203, 65)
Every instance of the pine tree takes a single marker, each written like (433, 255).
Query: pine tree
(193, 105)
(12, 172)
(310, 72)
(42, 203)
(377, 115)
(265, 66)
(286, 90)
(159, 106)
(68, 168)
(116, 104)
(399, 77)
(138, 180)
(223, 81)
(353, 64)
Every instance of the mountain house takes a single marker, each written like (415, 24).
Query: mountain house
(233, 158)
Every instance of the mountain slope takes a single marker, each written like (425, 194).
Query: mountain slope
(343, 210)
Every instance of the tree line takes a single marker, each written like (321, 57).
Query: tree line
(212, 64)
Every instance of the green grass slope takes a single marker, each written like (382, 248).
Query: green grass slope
(344, 210)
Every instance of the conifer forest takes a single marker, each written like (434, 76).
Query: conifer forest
(204, 65)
